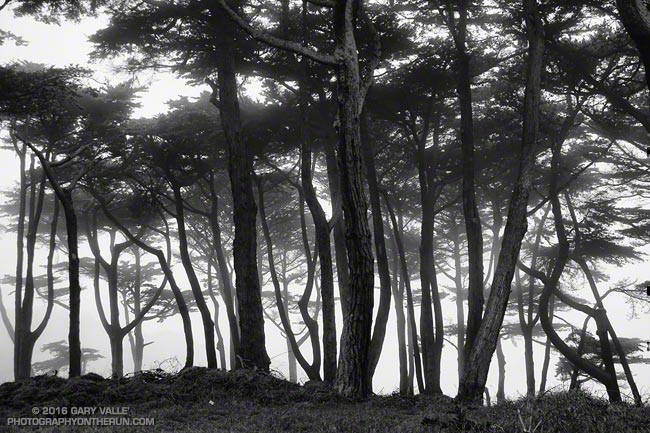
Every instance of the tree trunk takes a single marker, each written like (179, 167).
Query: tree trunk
(547, 350)
(470, 208)
(398, 297)
(20, 248)
(478, 362)
(74, 342)
(352, 377)
(224, 274)
(608, 376)
(252, 346)
(431, 344)
(340, 255)
(322, 229)
(413, 342)
(312, 370)
(501, 361)
(138, 346)
(28, 339)
(379, 332)
(164, 265)
(208, 325)
(215, 302)
(460, 311)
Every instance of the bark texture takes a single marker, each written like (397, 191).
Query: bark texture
(478, 360)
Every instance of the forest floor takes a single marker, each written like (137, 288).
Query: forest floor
(201, 400)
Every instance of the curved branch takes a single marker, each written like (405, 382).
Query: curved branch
(293, 47)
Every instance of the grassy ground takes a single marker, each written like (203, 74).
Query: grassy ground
(200, 400)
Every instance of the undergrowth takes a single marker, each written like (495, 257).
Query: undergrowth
(201, 400)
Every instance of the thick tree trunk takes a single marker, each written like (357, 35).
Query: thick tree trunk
(252, 345)
(379, 331)
(195, 285)
(117, 352)
(352, 377)
(478, 362)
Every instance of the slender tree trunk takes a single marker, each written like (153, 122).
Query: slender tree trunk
(547, 350)
(398, 297)
(431, 351)
(608, 376)
(28, 339)
(224, 274)
(20, 248)
(342, 273)
(379, 331)
(313, 369)
(470, 207)
(208, 325)
(215, 302)
(252, 345)
(409, 295)
(322, 241)
(74, 342)
(164, 265)
(460, 310)
(501, 361)
(138, 337)
(478, 362)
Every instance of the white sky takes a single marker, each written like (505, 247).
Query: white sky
(67, 45)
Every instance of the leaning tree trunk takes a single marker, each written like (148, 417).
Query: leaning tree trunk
(28, 340)
(195, 285)
(470, 208)
(478, 361)
(607, 376)
(413, 341)
(165, 267)
(224, 274)
(322, 240)
(312, 370)
(252, 345)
